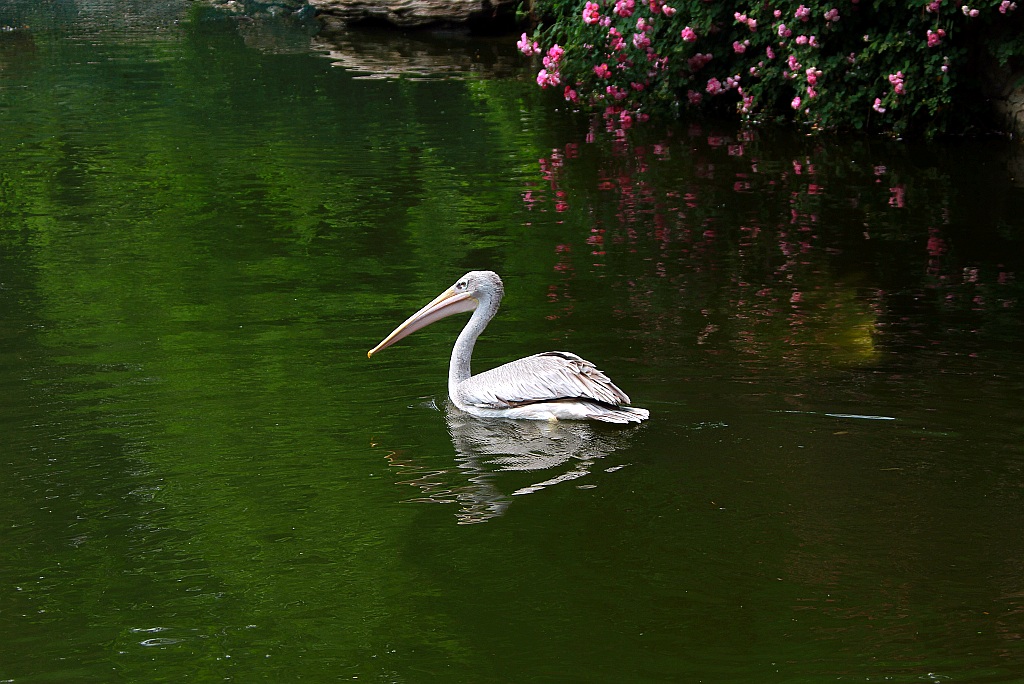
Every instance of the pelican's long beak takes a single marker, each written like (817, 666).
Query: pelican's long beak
(445, 304)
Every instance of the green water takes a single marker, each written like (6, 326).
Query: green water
(202, 477)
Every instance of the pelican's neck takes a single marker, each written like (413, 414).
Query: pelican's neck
(462, 352)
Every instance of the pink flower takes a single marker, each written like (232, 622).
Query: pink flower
(935, 37)
(571, 95)
(624, 8)
(784, 32)
(591, 13)
(771, 53)
(528, 47)
(813, 75)
(1007, 6)
(777, 13)
(739, 48)
(697, 62)
(802, 13)
(795, 104)
(641, 41)
(616, 92)
(878, 106)
(832, 15)
(968, 12)
(714, 86)
(602, 71)
(897, 82)
(801, 40)
(616, 41)
(688, 35)
(933, 6)
(668, 11)
(694, 97)
(793, 64)
(545, 79)
(553, 57)
(744, 19)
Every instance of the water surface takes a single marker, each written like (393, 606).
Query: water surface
(203, 228)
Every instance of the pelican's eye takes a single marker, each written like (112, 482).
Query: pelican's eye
(461, 285)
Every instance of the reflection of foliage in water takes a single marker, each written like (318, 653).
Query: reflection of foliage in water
(811, 258)
(182, 224)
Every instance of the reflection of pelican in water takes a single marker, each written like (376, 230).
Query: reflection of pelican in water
(495, 452)
(548, 386)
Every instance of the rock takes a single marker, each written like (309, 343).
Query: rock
(1011, 107)
(415, 13)
(1003, 88)
(271, 8)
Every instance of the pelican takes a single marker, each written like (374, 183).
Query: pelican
(549, 386)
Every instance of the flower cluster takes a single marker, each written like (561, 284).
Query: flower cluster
(836, 66)
(528, 47)
(897, 82)
(549, 76)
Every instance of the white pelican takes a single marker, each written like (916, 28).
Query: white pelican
(549, 386)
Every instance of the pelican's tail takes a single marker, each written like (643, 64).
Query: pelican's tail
(619, 414)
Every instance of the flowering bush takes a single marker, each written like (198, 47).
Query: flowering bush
(838, 64)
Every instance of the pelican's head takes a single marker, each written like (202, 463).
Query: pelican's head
(484, 286)
(468, 292)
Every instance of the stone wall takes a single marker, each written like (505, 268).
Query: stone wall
(414, 13)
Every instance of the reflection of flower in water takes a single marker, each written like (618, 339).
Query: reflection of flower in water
(770, 250)
(490, 453)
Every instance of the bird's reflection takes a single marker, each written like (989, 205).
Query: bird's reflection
(492, 456)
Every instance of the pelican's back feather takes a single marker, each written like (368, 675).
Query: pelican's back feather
(550, 376)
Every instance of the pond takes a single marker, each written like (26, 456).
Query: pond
(205, 223)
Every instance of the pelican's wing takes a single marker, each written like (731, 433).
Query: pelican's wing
(542, 377)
